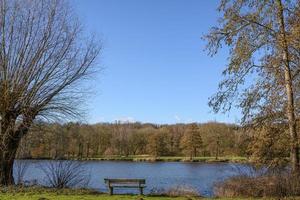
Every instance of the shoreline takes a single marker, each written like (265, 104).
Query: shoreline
(224, 159)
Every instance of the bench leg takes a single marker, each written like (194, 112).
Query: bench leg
(141, 191)
(111, 190)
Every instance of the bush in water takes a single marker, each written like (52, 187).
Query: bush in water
(65, 174)
(20, 168)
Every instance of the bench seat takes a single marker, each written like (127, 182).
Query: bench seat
(125, 183)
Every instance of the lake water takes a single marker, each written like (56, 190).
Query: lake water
(158, 175)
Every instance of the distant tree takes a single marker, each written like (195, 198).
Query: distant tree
(43, 58)
(262, 75)
(176, 132)
(219, 139)
(120, 139)
(137, 142)
(104, 140)
(157, 143)
(191, 141)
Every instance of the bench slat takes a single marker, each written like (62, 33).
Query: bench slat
(128, 186)
(125, 181)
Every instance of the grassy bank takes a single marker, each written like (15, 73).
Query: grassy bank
(146, 158)
(36, 193)
(106, 197)
(53, 196)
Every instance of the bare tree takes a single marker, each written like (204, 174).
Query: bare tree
(262, 76)
(44, 57)
(65, 174)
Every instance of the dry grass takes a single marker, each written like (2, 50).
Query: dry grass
(267, 185)
(176, 191)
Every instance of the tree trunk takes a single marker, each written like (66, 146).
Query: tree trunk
(290, 112)
(87, 150)
(217, 150)
(9, 142)
(294, 147)
(7, 157)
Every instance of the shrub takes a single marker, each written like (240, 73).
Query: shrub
(176, 191)
(271, 184)
(65, 174)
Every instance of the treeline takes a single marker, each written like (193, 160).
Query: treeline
(82, 141)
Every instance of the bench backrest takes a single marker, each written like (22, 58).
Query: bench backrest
(124, 181)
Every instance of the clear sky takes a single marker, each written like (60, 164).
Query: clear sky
(156, 69)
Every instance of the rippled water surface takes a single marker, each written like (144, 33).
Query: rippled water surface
(200, 176)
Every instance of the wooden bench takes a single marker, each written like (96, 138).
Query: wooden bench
(125, 183)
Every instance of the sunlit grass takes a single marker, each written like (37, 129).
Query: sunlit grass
(36, 193)
(53, 196)
(50, 196)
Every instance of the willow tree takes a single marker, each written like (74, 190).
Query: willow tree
(262, 75)
(44, 56)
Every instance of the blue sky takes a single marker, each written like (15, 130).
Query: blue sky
(155, 66)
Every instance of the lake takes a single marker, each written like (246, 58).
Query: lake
(158, 175)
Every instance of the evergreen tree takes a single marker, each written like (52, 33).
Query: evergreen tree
(192, 142)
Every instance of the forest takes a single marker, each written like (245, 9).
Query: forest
(82, 141)
(211, 139)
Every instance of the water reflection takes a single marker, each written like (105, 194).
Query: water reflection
(200, 176)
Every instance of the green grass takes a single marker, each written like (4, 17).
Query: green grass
(36, 193)
(53, 196)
